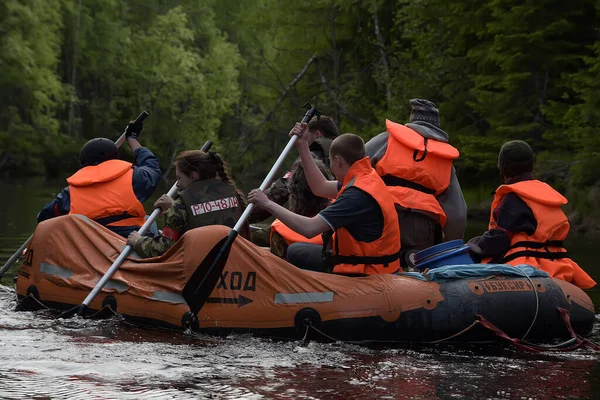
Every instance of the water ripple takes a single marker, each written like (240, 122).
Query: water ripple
(42, 357)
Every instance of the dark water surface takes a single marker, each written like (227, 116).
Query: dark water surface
(41, 357)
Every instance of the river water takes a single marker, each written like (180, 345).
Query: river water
(45, 358)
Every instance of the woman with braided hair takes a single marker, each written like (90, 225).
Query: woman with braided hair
(207, 196)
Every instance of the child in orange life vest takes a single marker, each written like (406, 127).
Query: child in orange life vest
(366, 236)
(301, 201)
(207, 196)
(527, 224)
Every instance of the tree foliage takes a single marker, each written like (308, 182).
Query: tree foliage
(238, 72)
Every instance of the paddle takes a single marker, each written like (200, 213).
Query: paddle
(204, 279)
(17, 254)
(124, 253)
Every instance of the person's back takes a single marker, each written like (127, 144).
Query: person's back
(207, 196)
(527, 224)
(415, 161)
(106, 189)
(105, 194)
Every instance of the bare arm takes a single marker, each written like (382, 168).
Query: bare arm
(306, 226)
(319, 185)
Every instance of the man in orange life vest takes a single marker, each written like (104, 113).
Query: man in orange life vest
(366, 235)
(106, 189)
(527, 224)
(415, 162)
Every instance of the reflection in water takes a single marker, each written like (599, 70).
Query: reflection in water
(76, 358)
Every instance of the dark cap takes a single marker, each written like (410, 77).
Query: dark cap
(97, 151)
(515, 158)
(424, 110)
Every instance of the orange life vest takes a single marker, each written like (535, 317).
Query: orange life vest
(104, 193)
(544, 249)
(290, 236)
(382, 256)
(416, 169)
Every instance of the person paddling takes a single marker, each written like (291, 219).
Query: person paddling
(106, 189)
(366, 235)
(207, 196)
(321, 132)
(527, 224)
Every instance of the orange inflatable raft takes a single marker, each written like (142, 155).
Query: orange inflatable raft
(260, 293)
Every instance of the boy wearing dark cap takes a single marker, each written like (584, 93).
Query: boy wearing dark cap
(416, 163)
(527, 224)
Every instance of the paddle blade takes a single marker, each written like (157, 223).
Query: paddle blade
(204, 279)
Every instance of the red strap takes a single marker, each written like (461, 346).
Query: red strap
(171, 234)
(565, 316)
(567, 320)
(57, 212)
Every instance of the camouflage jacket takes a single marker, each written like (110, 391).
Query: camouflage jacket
(175, 223)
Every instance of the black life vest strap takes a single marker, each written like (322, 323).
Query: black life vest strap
(355, 260)
(551, 255)
(113, 218)
(391, 180)
(537, 245)
(536, 254)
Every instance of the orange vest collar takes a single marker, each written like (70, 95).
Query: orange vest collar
(414, 140)
(103, 172)
(360, 167)
(534, 190)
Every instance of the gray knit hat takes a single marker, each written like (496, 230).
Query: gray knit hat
(515, 158)
(424, 110)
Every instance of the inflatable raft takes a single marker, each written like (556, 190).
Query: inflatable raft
(260, 293)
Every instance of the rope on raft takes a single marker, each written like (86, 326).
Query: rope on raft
(575, 342)
(45, 307)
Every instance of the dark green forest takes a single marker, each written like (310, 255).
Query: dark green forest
(238, 72)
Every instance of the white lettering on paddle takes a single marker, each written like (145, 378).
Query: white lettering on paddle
(215, 205)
